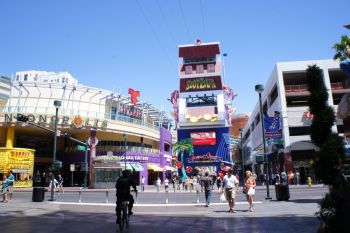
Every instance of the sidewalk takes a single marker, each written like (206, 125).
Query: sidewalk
(153, 189)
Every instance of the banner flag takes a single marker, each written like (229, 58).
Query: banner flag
(273, 126)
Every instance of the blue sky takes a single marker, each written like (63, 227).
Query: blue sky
(134, 43)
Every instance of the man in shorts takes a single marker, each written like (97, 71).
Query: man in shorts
(230, 187)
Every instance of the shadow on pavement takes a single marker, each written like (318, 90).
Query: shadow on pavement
(301, 201)
(88, 220)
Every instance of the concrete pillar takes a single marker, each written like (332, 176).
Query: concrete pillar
(10, 137)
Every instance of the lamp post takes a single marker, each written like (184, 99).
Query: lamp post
(125, 138)
(242, 152)
(57, 104)
(259, 89)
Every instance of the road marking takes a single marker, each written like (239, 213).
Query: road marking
(152, 205)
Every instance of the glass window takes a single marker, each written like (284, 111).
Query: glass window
(188, 69)
(211, 68)
(25, 77)
(199, 69)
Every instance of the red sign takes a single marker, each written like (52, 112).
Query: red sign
(203, 138)
(200, 84)
(133, 95)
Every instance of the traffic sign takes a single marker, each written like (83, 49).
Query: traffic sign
(72, 167)
(80, 147)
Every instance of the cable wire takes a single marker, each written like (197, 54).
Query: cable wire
(184, 20)
(203, 21)
(166, 24)
(156, 36)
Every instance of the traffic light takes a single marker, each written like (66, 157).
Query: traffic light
(22, 118)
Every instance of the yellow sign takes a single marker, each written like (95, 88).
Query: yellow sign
(21, 162)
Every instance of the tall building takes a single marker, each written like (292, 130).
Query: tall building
(284, 100)
(202, 108)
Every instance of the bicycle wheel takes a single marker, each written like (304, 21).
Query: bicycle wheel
(126, 217)
(121, 223)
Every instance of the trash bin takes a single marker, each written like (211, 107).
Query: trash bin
(282, 192)
(38, 194)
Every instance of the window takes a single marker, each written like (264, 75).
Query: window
(211, 68)
(257, 119)
(25, 77)
(298, 131)
(201, 101)
(17, 77)
(273, 95)
(188, 69)
(265, 107)
(199, 69)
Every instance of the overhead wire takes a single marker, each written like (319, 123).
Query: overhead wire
(203, 21)
(157, 38)
(184, 20)
(166, 24)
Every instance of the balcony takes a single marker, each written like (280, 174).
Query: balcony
(119, 150)
(300, 88)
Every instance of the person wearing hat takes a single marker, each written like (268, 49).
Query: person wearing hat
(230, 187)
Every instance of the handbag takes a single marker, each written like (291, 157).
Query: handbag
(223, 197)
(251, 192)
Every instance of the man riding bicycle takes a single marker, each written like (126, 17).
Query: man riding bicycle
(123, 192)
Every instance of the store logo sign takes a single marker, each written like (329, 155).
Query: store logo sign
(76, 121)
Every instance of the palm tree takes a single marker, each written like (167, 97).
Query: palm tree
(182, 146)
(342, 49)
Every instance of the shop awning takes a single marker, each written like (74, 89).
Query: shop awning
(154, 167)
(137, 167)
(128, 166)
(168, 168)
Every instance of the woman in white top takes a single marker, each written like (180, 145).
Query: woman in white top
(231, 185)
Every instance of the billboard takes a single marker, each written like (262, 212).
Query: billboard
(200, 84)
(21, 162)
(203, 138)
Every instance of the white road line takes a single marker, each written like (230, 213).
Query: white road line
(149, 205)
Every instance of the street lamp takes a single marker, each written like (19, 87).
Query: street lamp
(259, 89)
(242, 152)
(57, 104)
(125, 138)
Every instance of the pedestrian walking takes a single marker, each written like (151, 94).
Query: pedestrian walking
(249, 189)
(142, 184)
(218, 183)
(166, 184)
(231, 185)
(158, 184)
(60, 184)
(10, 182)
(4, 189)
(206, 183)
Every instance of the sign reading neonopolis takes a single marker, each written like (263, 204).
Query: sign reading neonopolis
(200, 84)
(75, 121)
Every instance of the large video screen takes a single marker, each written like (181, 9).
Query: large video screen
(203, 138)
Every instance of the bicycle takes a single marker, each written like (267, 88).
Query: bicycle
(125, 217)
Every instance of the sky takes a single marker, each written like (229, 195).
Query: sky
(116, 45)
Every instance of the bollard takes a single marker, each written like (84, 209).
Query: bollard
(107, 195)
(80, 191)
(166, 197)
(197, 196)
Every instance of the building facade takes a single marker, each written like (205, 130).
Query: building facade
(284, 100)
(202, 110)
(118, 131)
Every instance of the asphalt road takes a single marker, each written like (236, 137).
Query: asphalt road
(92, 196)
(153, 215)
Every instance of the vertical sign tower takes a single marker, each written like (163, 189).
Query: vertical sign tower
(203, 107)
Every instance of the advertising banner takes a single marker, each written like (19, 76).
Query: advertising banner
(200, 84)
(203, 138)
(21, 162)
(272, 126)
